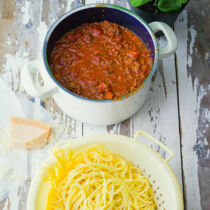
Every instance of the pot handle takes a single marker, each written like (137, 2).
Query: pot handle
(171, 46)
(156, 142)
(28, 81)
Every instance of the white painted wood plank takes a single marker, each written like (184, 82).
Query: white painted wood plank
(159, 116)
(189, 106)
(56, 9)
(17, 40)
(46, 19)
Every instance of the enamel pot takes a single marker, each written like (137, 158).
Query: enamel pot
(97, 112)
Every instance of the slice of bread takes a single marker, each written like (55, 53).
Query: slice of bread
(28, 133)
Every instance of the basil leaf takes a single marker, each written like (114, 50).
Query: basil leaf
(183, 1)
(136, 3)
(169, 5)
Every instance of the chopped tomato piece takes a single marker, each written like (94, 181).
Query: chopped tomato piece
(57, 75)
(109, 95)
(96, 31)
(102, 85)
(96, 52)
(133, 54)
(119, 39)
(71, 38)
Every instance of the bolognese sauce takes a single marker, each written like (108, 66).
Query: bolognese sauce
(100, 60)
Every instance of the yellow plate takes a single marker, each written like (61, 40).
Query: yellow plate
(164, 182)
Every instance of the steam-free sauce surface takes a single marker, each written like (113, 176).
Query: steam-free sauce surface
(100, 60)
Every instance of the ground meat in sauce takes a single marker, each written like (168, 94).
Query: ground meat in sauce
(100, 60)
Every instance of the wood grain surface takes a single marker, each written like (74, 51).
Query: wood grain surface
(177, 109)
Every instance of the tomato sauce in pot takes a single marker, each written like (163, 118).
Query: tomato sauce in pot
(100, 60)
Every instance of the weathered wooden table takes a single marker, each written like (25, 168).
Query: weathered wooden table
(177, 109)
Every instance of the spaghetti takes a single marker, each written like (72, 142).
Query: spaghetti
(96, 179)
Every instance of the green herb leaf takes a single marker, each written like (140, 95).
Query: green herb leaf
(183, 1)
(136, 3)
(169, 5)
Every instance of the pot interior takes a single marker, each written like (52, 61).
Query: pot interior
(94, 13)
